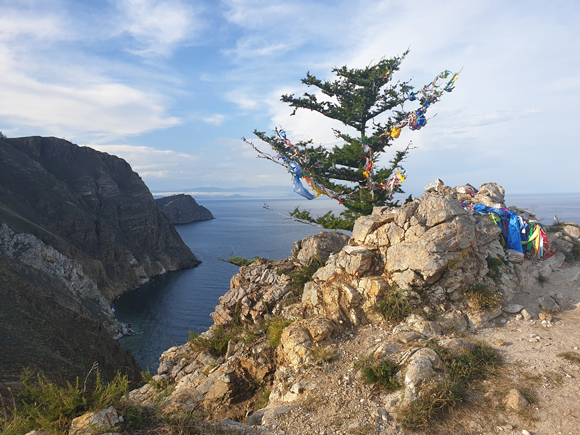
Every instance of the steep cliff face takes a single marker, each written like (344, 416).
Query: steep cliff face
(77, 228)
(91, 207)
(52, 317)
(183, 209)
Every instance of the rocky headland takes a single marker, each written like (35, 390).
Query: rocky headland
(420, 322)
(425, 292)
(78, 228)
(182, 209)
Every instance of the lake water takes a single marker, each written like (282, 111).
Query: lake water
(163, 310)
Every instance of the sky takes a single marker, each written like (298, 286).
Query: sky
(172, 86)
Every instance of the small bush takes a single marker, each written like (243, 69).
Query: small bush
(222, 334)
(323, 354)
(263, 399)
(241, 261)
(299, 277)
(483, 297)
(382, 374)
(158, 385)
(394, 306)
(542, 279)
(52, 408)
(494, 264)
(462, 370)
(432, 401)
(275, 329)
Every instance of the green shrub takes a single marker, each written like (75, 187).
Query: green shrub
(482, 297)
(494, 264)
(542, 279)
(299, 277)
(52, 408)
(275, 329)
(241, 261)
(394, 306)
(462, 370)
(382, 374)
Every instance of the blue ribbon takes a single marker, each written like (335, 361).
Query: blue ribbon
(296, 170)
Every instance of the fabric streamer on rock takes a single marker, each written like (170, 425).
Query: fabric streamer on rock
(520, 234)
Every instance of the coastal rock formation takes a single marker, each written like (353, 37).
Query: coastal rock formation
(182, 209)
(296, 342)
(91, 207)
(79, 228)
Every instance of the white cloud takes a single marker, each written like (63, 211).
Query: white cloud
(242, 98)
(159, 26)
(94, 104)
(216, 119)
(151, 162)
(48, 27)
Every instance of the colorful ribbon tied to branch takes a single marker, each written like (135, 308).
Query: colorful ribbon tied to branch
(296, 171)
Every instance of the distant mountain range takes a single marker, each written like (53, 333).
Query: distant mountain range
(233, 192)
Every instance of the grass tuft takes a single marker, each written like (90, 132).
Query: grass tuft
(573, 357)
(494, 264)
(380, 373)
(482, 297)
(299, 277)
(323, 354)
(394, 306)
(462, 371)
(47, 406)
(275, 329)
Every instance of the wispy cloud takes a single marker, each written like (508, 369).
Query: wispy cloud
(150, 162)
(216, 119)
(158, 26)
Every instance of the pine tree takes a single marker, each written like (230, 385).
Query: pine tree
(348, 172)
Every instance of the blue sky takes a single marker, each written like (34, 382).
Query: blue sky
(172, 85)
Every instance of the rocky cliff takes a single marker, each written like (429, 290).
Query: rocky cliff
(91, 207)
(378, 333)
(79, 228)
(425, 262)
(183, 209)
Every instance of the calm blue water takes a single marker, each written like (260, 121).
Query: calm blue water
(166, 308)
(163, 310)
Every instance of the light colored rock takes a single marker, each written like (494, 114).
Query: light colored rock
(324, 244)
(572, 229)
(273, 412)
(295, 345)
(514, 256)
(479, 319)
(516, 400)
(528, 315)
(366, 225)
(100, 422)
(453, 320)
(512, 308)
(256, 418)
(422, 326)
(437, 209)
(547, 303)
(355, 260)
(555, 261)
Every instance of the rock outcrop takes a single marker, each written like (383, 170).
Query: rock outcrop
(91, 207)
(182, 209)
(79, 228)
(428, 256)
